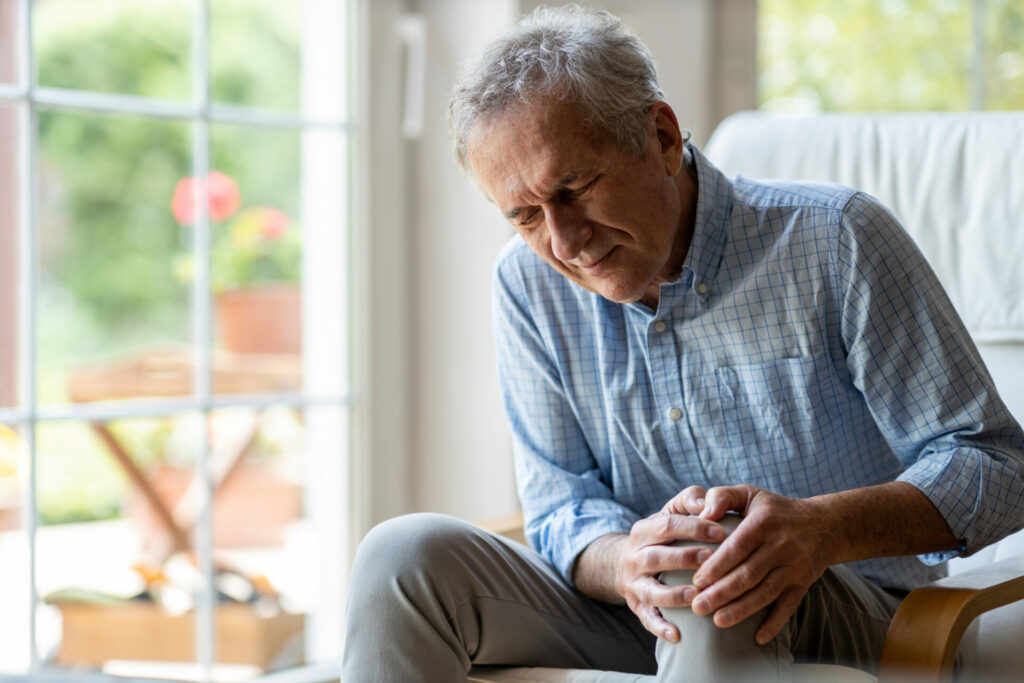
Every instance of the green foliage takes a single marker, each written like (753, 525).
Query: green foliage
(885, 55)
(108, 239)
(1004, 65)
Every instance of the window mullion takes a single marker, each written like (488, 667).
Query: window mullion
(27, 298)
(979, 75)
(202, 338)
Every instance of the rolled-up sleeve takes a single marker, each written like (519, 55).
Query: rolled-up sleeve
(566, 503)
(925, 383)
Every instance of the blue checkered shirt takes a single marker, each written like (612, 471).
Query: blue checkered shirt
(806, 348)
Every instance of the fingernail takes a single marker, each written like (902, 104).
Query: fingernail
(703, 555)
(700, 502)
(669, 635)
(716, 533)
(700, 583)
(724, 618)
(688, 594)
(700, 605)
(762, 637)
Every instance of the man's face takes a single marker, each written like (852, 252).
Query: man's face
(614, 224)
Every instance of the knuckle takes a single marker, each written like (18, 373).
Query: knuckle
(745, 575)
(664, 527)
(647, 560)
(694, 491)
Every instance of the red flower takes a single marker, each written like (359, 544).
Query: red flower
(223, 192)
(274, 222)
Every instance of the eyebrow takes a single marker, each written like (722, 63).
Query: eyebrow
(568, 178)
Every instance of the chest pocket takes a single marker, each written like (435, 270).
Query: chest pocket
(766, 423)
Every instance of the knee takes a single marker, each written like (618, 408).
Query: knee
(405, 550)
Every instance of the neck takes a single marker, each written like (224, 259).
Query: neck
(686, 185)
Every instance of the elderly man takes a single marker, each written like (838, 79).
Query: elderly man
(674, 346)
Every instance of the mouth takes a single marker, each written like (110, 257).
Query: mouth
(595, 267)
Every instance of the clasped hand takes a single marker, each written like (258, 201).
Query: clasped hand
(779, 549)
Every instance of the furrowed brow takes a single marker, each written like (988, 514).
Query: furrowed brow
(566, 180)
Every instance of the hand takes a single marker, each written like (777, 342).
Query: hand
(648, 552)
(779, 549)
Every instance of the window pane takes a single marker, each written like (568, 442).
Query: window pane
(1005, 40)
(10, 188)
(9, 43)
(116, 46)
(14, 578)
(836, 55)
(114, 300)
(256, 260)
(113, 570)
(286, 552)
(254, 53)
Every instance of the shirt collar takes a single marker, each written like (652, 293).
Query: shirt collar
(714, 207)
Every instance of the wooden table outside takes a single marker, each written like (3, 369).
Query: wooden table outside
(169, 372)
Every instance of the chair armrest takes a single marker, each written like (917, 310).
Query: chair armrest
(925, 633)
(509, 526)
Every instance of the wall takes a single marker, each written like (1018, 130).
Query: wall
(462, 452)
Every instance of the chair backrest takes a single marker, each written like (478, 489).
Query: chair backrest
(955, 182)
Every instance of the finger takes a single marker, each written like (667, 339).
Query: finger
(655, 559)
(650, 591)
(746, 577)
(720, 499)
(652, 620)
(662, 529)
(784, 608)
(751, 602)
(689, 501)
(734, 552)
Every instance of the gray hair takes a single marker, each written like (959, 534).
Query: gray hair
(569, 53)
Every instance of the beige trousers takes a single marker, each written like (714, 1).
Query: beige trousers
(432, 596)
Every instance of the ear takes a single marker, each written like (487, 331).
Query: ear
(669, 137)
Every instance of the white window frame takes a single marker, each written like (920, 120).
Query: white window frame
(338, 507)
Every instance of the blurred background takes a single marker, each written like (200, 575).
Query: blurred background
(245, 291)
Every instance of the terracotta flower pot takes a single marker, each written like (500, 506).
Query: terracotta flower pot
(261, 319)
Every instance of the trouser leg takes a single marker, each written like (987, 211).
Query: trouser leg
(842, 620)
(431, 595)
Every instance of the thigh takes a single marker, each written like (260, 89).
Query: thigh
(495, 602)
(843, 620)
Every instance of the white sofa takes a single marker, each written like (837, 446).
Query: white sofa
(956, 181)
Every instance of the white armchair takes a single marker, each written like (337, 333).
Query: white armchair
(954, 182)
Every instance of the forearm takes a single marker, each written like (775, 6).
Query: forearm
(882, 521)
(596, 569)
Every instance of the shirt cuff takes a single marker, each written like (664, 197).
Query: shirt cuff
(942, 481)
(569, 530)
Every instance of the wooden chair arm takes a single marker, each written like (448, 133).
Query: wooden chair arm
(925, 633)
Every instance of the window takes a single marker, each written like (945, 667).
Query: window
(175, 393)
(890, 55)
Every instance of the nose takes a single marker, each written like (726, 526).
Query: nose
(569, 231)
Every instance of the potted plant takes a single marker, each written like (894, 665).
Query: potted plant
(255, 255)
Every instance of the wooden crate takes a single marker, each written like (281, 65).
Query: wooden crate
(93, 634)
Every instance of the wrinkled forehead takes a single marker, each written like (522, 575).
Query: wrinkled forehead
(539, 142)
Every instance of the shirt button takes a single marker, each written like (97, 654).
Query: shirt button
(702, 288)
(660, 327)
(675, 414)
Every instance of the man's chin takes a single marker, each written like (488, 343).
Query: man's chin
(618, 294)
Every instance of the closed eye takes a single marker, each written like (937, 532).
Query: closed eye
(568, 194)
(526, 218)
